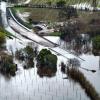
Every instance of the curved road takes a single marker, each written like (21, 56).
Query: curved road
(23, 33)
(15, 27)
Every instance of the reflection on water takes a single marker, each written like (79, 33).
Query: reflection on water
(45, 71)
(28, 85)
(81, 44)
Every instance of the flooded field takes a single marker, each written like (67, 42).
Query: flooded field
(28, 85)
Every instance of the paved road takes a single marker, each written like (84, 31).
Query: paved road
(6, 25)
(23, 33)
(21, 30)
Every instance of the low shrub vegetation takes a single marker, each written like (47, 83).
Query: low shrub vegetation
(7, 65)
(79, 77)
(27, 55)
(2, 37)
(96, 44)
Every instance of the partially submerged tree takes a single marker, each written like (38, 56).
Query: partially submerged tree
(7, 65)
(27, 55)
(46, 63)
(96, 44)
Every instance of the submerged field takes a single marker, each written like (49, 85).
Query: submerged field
(27, 84)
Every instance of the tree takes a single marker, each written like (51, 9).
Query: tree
(96, 43)
(46, 58)
(41, 56)
(46, 63)
(68, 32)
(60, 3)
(51, 60)
(72, 29)
(26, 54)
(7, 66)
(67, 12)
(29, 52)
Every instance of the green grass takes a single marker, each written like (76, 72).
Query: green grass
(21, 9)
(51, 15)
(55, 34)
(2, 38)
(4, 33)
(43, 14)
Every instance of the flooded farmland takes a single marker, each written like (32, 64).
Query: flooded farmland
(28, 85)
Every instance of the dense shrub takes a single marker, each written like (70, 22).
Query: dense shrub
(96, 42)
(96, 45)
(27, 55)
(6, 64)
(46, 63)
(46, 58)
(29, 52)
(41, 56)
(19, 54)
(71, 30)
(78, 76)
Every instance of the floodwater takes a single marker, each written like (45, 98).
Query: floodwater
(28, 85)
